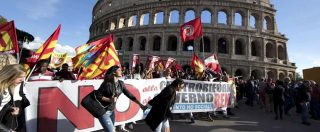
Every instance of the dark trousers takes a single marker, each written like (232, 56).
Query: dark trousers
(278, 108)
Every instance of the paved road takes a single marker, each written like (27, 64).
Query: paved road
(246, 119)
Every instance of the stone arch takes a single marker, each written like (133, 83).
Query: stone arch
(156, 43)
(188, 45)
(130, 43)
(240, 72)
(106, 26)
(132, 21)
(281, 52)
(281, 76)
(174, 17)
(206, 16)
(239, 18)
(222, 17)
(144, 19)
(206, 42)
(158, 17)
(267, 23)
(271, 74)
(291, 76)
(113, 25)
(119, 44)
(172, 43)
(240, 47)
(142, 42)
(270, 50)
(254, 17)
(255, 48)
(222, 46)
(189, 15)
(257, 74)
(122, 22)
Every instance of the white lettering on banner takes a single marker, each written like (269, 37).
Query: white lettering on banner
(55, 106)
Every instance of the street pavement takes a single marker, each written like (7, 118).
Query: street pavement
(246, 118)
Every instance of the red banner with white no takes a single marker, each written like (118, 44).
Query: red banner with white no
(55, 106)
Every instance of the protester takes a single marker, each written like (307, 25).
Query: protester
(41, 73)
(278, 99)
(10, 77)
(157, 119)
(304, 97)
(64, 73)
(107, 94)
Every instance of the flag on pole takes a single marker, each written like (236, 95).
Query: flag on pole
(170, 62)
(197, 65)
(58, 59)
(191, 30)
(213, 64)
(151, 60)
(8, 38)
(45, 51)
(135, 60)
(104, 56)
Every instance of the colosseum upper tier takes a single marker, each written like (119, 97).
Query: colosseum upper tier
(243, 33)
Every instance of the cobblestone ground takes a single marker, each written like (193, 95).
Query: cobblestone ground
(246, 118)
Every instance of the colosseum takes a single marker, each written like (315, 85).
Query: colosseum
(243, 33)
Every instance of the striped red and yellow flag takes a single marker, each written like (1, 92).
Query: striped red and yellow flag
(197, 65)
(45, 51)
(8, 38)
(106, 58)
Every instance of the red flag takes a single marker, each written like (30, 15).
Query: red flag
(170, 62)
(135, 60)
(151, 60)
(45, 51)
(197, 64)
(191, 30)
(213, 64)
(8, 38)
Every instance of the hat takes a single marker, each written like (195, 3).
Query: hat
(112, 70)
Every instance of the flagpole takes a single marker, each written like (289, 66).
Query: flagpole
(203, 48)
(31, 72)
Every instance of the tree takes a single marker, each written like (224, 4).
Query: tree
(298, 77)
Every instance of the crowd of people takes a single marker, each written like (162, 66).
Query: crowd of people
(278, 96)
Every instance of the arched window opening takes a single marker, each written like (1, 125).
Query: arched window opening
(253, 22)
(174, 17)
(132, 21)
(156, 43)
(238, 19)
(222, 46)
(144, 19)
(188, 45)
(239, 50)
(119, 44)
(130, 44)
(281, 53)
(222, 17)
(255, 49)
(172, 43)
(190, 15)
(206, 16)
(270, 51)
(158, 18)
(143, 42)
(122, 22)
(206, 43)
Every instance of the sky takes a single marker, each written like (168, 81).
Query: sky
(298, 20)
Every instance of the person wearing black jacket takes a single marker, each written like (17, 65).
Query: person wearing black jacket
(107, 95)
(160, 111)
(278, 99)
(304, 97)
